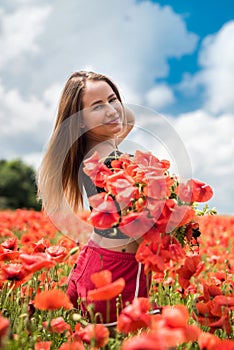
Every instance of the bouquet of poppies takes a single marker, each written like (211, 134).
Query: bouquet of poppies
(142, 199)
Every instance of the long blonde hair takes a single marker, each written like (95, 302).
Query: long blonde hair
(58, 175)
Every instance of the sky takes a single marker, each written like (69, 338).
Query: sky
(173, 61)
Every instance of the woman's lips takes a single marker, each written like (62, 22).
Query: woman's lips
(114, 121)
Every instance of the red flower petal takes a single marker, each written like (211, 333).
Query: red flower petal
(101, 278)
(107, 292)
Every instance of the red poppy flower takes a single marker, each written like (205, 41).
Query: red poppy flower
(192, 267)
(155, 253)
(153, 234)
(11, 243)
(41, 245)
(144, 341)
(99, 198)
(224, 300)
(5, 232)
(191, 229)
(101, 278)
(95, 334)
(13, 272)
(147, 159)
(171, 249)
(116, 164)
(203, 308)
(213, 315)
(209, 292)
(36, 261)
(176, 316)
(27, 240)
(161, 212)
(126, 194)
(108, 290)
(223, 322)
(134, 316)
(72, 346)
(137, 173)
(97, 171)
(136, 224)
(219, 277)
(208, 341)
(52, 300)
(8, 254)
(224, 344)
(57, 253)
(104, 213)
(194, 191)
(43, 345)
(146, 254)
(118, 181)
(157, 187)
(57, 325)
(180, 216)
(172, 326)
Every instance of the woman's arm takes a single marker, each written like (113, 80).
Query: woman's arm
(127, 126)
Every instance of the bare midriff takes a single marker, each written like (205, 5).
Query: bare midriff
(127, 245)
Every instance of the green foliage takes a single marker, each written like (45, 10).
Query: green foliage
(17, 185)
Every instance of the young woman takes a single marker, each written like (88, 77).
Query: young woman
(91, 117)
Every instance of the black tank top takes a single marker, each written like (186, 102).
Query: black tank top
(91, 190)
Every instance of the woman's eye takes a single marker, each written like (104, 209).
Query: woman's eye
(97, 107)
(113, 99)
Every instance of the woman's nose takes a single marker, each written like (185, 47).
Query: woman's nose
(110, 110)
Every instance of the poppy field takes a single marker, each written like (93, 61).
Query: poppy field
(193, 287)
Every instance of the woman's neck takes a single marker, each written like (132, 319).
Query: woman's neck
(103, 148)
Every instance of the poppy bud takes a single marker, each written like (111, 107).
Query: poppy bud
(74, 250)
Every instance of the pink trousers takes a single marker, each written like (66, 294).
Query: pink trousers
(92, 259)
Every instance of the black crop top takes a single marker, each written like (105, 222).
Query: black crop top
(91, 190)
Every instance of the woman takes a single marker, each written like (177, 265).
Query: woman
(91, 117)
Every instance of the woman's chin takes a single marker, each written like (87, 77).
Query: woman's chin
(115, 128)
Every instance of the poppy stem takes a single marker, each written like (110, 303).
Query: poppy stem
(7, 295)
(49, 317)
(107, 311)
(148, 282)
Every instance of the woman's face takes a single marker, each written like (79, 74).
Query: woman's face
(103, 112)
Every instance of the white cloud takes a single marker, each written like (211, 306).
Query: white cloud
(34, 159)
(210, 144)
(216, 76)
(217, 60)
(159, 96)
(19, 31)
(127, 40)
(198, 145)
(26, 123)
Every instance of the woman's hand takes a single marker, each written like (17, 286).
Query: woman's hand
(128, 124)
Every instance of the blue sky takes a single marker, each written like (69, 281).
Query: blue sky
(174, 58)
(203, 18)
